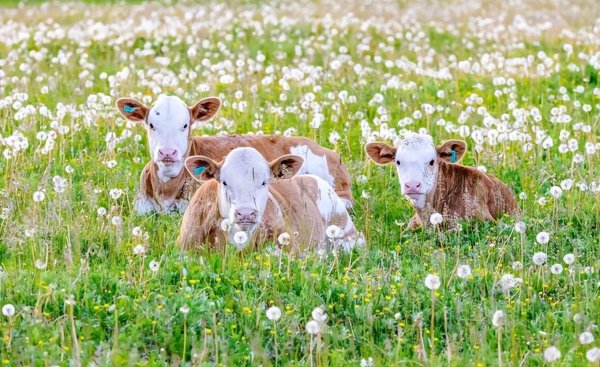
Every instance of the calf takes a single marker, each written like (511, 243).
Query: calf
(246, 193)
(433, 184)
(166, 186)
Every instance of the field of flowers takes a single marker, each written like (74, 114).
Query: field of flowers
(85, 281)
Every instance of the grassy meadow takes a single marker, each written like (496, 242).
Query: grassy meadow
(84, 281)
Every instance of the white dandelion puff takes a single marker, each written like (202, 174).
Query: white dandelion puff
(8, 310)
(542, 238)
(312, 327)
(273, 313)
(498, 318)
(539, 258)
(551, 354)
(432, 282)
(463, 271)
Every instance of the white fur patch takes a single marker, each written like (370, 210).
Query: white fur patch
(313, 164)
(144, 206)
(168, 128)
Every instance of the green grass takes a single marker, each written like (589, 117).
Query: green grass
(124, 314)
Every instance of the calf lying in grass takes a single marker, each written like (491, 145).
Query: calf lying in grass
(248, 200)
(166, 186)
(433, 184)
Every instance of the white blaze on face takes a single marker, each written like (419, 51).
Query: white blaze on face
(168, 125)
(313, 164)
(244, 179)
(417, 167)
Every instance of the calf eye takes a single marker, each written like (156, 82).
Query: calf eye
(224, 183)
(185, 126)
(151, 126)
(431, 162)
(398, 162)
(264, 183)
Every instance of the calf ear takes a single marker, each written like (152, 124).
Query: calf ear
(452, 151)
(381, 153)
(202, 168)
(286, 166)
(132, 109)
(205, 108)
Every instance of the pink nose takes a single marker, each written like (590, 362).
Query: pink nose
(167, 153)
(412, 187)
(246, 215)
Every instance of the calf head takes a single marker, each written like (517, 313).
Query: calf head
(417, 162)
(168, 123)
(244, 178)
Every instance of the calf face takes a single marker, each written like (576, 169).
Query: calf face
(168, 124)
(417, 162)
(244, 177)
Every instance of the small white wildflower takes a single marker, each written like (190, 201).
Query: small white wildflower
(569, 259)
(8, 310)
(397, 316)
(542, 201)
(139, 250)
(284, 239)
(185, 309)
(556, 192)
(333, 231)
(39, 196)
(593, 355)
(520, 227)
(556, 269)
(136, 232)
(436, 218)
(517, 265)
(498, 318)
(586, 337)
(566, 184)
(225, 224)
(542, 238)
(432, 282)
(39, 264)
(523, 196)
(115, 193)
(312, 327)
(319, 314)
(154, 266)
(273, 313)
(101, 211)
(551, 354)
(539, 258)
(463, 271)
(240, 238)
(116, 220)
(70, 300)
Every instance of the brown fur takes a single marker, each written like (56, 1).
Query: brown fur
(463, 193)
(291, 208)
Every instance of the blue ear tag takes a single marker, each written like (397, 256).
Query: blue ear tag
(453, 156)
(129, 109)
(199, 170)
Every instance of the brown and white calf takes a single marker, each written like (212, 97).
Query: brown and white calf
(247, 200)
(165, 185)
(434, 184)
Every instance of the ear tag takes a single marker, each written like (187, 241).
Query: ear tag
(129, 109)
(199, 170)
(453, 156)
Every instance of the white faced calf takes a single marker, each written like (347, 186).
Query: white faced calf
(262, 200)
(168, 124)
(433, 184)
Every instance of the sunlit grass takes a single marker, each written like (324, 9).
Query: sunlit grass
(71, 263)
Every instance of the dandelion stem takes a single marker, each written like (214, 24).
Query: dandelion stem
(432, 320)
(184, 339)
(499, 336)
